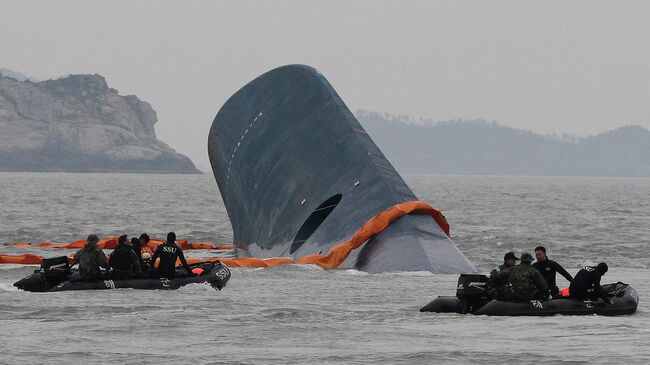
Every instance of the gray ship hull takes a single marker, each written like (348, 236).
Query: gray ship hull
(298, 175)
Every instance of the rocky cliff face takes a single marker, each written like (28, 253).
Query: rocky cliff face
(79, 124)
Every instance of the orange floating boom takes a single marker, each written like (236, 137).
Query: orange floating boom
(111, 242)
(333, 259)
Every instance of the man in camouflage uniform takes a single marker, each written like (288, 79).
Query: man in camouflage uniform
(90, 259)
(524, 282)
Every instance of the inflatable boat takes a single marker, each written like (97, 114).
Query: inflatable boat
(55, 275)
(471, 297)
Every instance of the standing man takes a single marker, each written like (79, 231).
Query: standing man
(548, 269)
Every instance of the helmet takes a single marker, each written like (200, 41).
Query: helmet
(146, 256)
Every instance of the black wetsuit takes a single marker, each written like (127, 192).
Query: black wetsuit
(586, 285)
(548, 269)
(137, 249)
(124, 262)
(168, 253)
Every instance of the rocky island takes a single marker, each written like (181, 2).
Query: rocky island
(79, 124)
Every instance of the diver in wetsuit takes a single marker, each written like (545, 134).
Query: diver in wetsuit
(168, 253)
(142, 245)
(548, 268)
(586, 284)
(124, 261)
(135, 247)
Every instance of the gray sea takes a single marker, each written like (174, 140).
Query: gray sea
(301, 314)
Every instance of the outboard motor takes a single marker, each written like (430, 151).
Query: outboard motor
(472, 291)
(53, 271)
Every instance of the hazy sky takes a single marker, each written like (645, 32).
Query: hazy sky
(548, 66)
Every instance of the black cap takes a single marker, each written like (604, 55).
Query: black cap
(145, 237)
(510, 255)
(171, 237)
(602, 268)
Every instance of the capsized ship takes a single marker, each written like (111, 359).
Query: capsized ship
(298, 175)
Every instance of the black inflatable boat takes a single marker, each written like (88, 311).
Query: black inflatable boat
(471, 298)
(55, 275)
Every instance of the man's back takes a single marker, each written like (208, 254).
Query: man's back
(124, 259)
(168, 253)
(524, 281)
(584, 283)
(90, 259)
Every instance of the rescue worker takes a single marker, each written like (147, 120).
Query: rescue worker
(90, 258)
(509, 260)
(586, 284)
(135, 247)
(524, 282)
(124, 261)
(144, 246)
(548, 268)
(168, 253)
(496, 286)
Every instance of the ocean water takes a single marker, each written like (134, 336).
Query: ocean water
(301, 314)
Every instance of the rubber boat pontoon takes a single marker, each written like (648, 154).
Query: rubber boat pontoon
(55, 275)
(471, 298)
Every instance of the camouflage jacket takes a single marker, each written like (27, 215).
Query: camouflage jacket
(90, 259)
(523, 282)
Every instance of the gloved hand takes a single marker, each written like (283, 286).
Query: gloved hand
(609, 301)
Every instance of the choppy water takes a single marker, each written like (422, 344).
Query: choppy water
(307, 315)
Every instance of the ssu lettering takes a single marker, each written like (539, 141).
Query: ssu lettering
(169, 249)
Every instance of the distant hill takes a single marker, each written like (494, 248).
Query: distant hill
(480, 147)
(13, 74)
(79, 124)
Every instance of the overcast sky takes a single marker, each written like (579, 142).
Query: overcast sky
(548, 66)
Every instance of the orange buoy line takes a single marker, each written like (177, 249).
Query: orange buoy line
(111, 242)
(26, 259)
(336, 255)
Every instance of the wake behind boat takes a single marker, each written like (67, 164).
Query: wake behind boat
(471, 298)
(55, 275)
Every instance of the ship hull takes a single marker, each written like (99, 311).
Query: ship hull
(298, 174)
